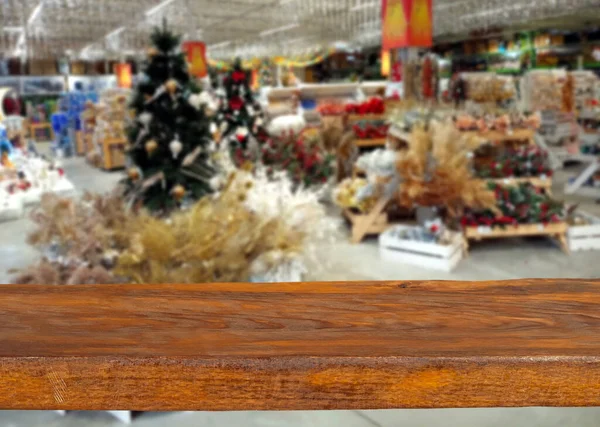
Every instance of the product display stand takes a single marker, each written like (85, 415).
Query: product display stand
(373, 222)
(113, 153)
(555, 230)
(34, 129)
(578, 185)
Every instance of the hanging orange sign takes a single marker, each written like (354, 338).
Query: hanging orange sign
(196, 57)
(123, 73)
(394, 24)
(406, 23)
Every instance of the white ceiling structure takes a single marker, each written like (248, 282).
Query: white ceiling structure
(248, 28)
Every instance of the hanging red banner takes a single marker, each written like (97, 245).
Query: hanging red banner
(406, 23)
(123, 73)
(196, 57)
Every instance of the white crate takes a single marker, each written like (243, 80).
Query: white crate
(585, 237)
(422, 254)
(11, 207)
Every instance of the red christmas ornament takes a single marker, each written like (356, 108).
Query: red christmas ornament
(61, 172)
(236, 103)
(238, 76)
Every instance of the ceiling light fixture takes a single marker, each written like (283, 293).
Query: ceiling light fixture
(279, 29)
(13, 29)
(363, 6)
(222, 44)
(115, 32)
(158, 7)
(35, 13)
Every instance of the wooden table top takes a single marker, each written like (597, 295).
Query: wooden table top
(301, 346)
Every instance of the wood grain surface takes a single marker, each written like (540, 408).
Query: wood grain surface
(364, 345)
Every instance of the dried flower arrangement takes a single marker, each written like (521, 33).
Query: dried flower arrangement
(257, 228)
(436, 170)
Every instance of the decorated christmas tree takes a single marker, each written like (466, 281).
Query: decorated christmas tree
(240, 118)
(171, 133)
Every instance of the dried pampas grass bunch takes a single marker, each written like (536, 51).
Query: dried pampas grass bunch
(436, 171)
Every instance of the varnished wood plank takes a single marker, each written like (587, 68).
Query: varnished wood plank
(301, 346)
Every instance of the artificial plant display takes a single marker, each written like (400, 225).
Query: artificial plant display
(170, 137)
(302, 157)
(240, 118)
(520, 162)
(518, 204)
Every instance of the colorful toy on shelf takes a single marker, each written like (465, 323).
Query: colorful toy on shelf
(6, 148)
(61, 146)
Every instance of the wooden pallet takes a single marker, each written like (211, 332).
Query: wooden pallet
(375, 142)
(366, 117)
(545, 183)
(526, 135)
(555, 230)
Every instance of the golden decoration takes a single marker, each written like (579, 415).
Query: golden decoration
(171, 86)
(133, 174)
(178, 192)
(152, 52)
(151, 146)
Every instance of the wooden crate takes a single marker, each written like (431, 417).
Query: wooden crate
(35, 128)
(585, 237)
(423, 254)
(555, 230)
(113, 152)
(79, 143)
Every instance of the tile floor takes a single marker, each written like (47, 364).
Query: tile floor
(520, 258)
